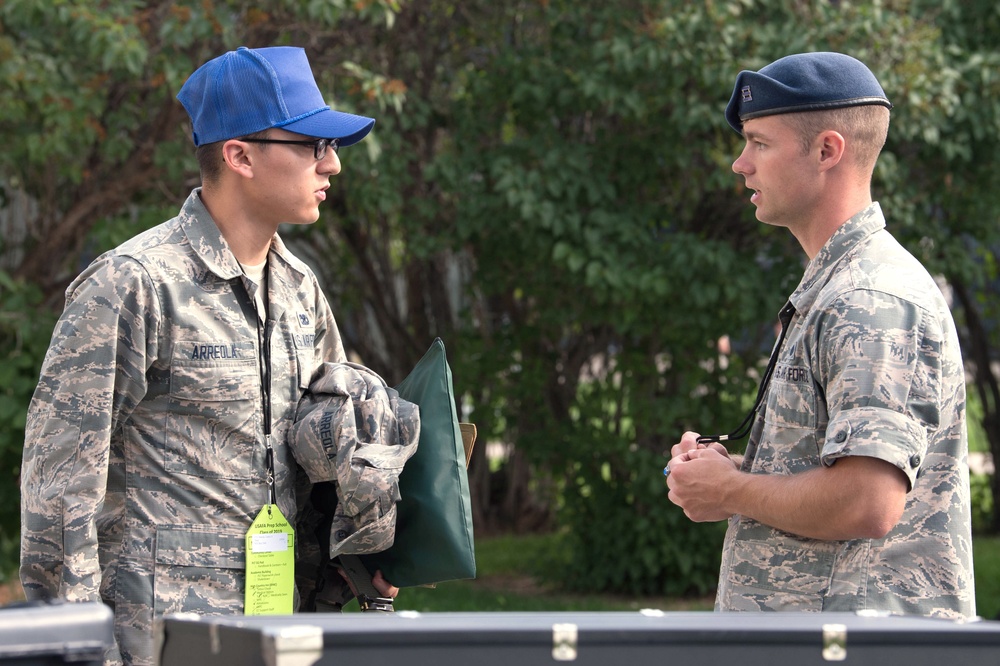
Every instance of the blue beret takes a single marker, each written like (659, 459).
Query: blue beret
(803, 82)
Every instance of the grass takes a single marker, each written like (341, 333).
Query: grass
(509, 579)
(986, 557)
(505, 582)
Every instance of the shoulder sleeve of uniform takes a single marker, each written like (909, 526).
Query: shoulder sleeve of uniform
(882, 366)
(870, 346)
(111, 322)
(329, 345)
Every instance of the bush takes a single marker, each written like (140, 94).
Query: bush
(628, 538)
(982, 503)
(24, 335)
(986, 557)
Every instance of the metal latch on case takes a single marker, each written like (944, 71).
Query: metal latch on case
(834, 642)
(564, 642)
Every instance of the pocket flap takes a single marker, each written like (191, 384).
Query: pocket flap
(197, 546)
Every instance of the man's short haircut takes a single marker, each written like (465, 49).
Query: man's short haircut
(210, 157)
(865, 129)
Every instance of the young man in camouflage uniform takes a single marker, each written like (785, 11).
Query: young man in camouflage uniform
(853, 493)
(161, 414)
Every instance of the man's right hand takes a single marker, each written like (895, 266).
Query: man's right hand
(689, 442)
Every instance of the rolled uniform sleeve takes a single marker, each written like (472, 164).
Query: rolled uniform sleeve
(876, 433)
(882, 379)
(92, 377)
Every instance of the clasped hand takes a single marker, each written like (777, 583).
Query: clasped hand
(700, 479)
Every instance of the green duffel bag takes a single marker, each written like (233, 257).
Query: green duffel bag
(434, 540)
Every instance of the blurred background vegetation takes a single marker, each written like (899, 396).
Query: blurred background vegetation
(548, 189)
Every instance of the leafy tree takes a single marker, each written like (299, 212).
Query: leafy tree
(87, 101)
(548, 188)
(95, 140)
(949, 181)
(582, 172)
(24, 335)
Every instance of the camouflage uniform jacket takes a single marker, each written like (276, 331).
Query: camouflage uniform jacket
(870, 367)
(144, 460)
(352, 435)
(356, 433)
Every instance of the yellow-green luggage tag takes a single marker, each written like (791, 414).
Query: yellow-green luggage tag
(270, 549)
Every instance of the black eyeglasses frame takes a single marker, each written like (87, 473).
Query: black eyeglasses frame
(319, 146)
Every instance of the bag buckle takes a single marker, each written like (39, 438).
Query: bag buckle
(383, 604)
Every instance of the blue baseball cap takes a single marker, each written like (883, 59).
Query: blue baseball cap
(803, 82)
(251, 90)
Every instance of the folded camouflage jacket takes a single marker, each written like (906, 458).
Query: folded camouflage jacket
(355, 432)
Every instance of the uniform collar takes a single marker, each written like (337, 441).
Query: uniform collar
(843, 241)
(209, 244)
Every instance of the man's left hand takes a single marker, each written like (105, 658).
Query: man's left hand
(384, 587)
(698, 482)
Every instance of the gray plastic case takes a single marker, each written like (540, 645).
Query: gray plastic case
(584, 638)
(55, 633)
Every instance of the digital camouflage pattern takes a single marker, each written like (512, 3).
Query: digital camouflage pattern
(144, 460)
(871, 366)
(353, 431)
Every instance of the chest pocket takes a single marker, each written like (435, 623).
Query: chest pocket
(303, 337)
(791, 398)
(213, 419)
(793, 421)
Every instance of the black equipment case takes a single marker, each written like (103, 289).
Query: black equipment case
(584, 638)
(36, 633)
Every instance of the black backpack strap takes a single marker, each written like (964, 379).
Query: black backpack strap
(361, 579)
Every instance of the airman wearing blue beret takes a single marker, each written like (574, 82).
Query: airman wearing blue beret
(852, 493)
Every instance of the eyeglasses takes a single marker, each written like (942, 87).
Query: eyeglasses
(319, 146)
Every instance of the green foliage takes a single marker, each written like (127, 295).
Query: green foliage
(978, 442)
(25, 329)
(88, 103)
(635, 542)
(59, 62)
(986, 557)
(589, 161)
(548, 187)
(517, 573)
(982, 503)
(514, 574)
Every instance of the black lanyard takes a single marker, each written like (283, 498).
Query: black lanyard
(264, 368)
(785, 317)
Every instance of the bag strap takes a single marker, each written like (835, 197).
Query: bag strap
(361, 580)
